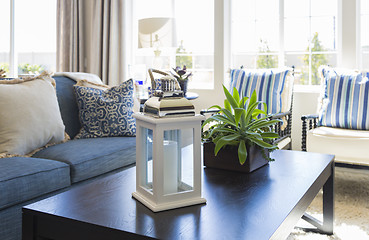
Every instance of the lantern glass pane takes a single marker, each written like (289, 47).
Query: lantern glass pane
(147, 154)
(187, 173)
(178, 160)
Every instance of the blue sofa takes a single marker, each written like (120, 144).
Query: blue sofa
(24, 180)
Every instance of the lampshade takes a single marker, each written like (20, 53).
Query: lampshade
(156, 31)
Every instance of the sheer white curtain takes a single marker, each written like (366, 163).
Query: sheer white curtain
(92, 38)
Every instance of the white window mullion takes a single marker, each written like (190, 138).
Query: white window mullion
(310, 44)
(221, 44)
(281, 60)
(359, 51)
(13, 55)
(347, 33)
(256, 41)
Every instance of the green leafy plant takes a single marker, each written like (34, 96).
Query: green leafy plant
(316, 61)
(5, 66)
(181, 74)
(240, 124)
(266, 60)
(26, 68)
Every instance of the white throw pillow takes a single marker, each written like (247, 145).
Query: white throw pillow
(287, 93)
(77, 76)
(30, 117)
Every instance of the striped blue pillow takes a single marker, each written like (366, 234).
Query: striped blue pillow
(268, 84)
(345, 102)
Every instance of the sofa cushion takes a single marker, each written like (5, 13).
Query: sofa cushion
(67, 99)
(345, 100)
(349, 146)
(106, 113)
(68, 105)
(93, 156)
(30, 116)
(23, 178)
(268, 83)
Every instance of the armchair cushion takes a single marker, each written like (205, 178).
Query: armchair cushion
(268, 83)
(345, 99)
(349, 146)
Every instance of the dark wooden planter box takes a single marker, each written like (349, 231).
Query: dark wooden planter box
(227, 158)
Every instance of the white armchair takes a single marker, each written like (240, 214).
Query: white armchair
(341, 127)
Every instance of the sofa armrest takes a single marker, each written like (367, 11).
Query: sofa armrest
(313, 120)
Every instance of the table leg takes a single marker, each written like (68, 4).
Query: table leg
(328, 204)
(325, 227)
(27, 227)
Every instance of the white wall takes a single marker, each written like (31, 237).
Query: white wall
(303, 103)
(348, 44)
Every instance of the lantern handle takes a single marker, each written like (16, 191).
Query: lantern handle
(151, 70)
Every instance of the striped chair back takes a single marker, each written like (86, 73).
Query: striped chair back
(268, 83)
(345, 99)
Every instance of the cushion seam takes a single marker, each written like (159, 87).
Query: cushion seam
(98, 157)
(26, 175)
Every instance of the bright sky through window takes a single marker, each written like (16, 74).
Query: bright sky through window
(35, 25)
(34, 36)
(264, 22)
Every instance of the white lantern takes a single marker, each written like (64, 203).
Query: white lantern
(168, 161)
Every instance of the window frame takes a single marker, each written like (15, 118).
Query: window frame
(13, 52)
(223, 46)
(13, 59)
(282, 52)
(359, 25)
(171, 53)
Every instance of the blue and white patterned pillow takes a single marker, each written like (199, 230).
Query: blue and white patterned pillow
(106, 113)
(268, 83)
(345, 101)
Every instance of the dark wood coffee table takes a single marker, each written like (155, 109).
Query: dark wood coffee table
(265, 204)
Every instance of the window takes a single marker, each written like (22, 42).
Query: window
(194, 39)
(364, 34)
(5, 32)
(255, 40)
(34, 36)
(295, 33)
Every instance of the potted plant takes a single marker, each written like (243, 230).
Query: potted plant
(239, 131)
(182, 77)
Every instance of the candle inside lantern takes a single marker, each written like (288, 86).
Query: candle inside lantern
(170, 167)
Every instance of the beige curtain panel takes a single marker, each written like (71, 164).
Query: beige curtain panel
(91, 38)
(69, 53)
